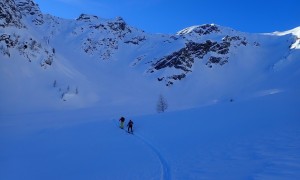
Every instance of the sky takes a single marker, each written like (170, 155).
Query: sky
(169, 16)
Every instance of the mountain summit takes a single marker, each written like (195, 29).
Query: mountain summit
(106, 63)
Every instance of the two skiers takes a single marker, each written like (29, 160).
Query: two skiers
(129, 124)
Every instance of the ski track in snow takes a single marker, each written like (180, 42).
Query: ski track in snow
(165, 167)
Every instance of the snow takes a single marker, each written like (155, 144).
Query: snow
(253, 139)
(60, 121)
(296, 33)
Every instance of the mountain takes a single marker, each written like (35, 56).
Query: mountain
(107, 64)
(230, 100)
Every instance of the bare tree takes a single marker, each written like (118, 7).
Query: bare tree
(162, 104)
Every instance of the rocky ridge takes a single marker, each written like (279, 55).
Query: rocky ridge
(102, 39)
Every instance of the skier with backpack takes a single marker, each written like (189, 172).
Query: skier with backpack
(130, 125)
(122, 121)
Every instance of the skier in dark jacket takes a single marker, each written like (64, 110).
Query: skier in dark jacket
(129, 125)
(122, 120)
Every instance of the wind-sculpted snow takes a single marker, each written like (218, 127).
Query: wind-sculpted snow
(296, 33)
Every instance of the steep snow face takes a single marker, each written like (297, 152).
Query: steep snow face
(296, 33)
(96, 62)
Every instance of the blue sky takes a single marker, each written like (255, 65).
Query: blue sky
(170, 16)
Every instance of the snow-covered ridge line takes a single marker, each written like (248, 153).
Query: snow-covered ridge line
(295, 32)
(85, 55)
(207, 103)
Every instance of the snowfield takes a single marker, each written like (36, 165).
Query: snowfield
(258, 138)
(233, 100)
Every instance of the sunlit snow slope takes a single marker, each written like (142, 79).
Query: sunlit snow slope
(49, 64)
(233, 100)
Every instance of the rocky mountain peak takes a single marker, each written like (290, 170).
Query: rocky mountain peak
(10, 14)
(87, 18)
(200, 30)
(31, 10)
(167, 58)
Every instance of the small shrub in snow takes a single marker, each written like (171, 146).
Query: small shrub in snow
(162, 104)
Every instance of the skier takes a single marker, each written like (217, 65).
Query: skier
(129, 125)
(122, 120)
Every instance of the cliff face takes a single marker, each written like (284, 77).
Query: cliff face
(10, 16)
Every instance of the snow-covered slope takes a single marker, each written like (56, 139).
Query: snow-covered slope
(296, 33)
(252, 139)
(233, 100)
(96, 62)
